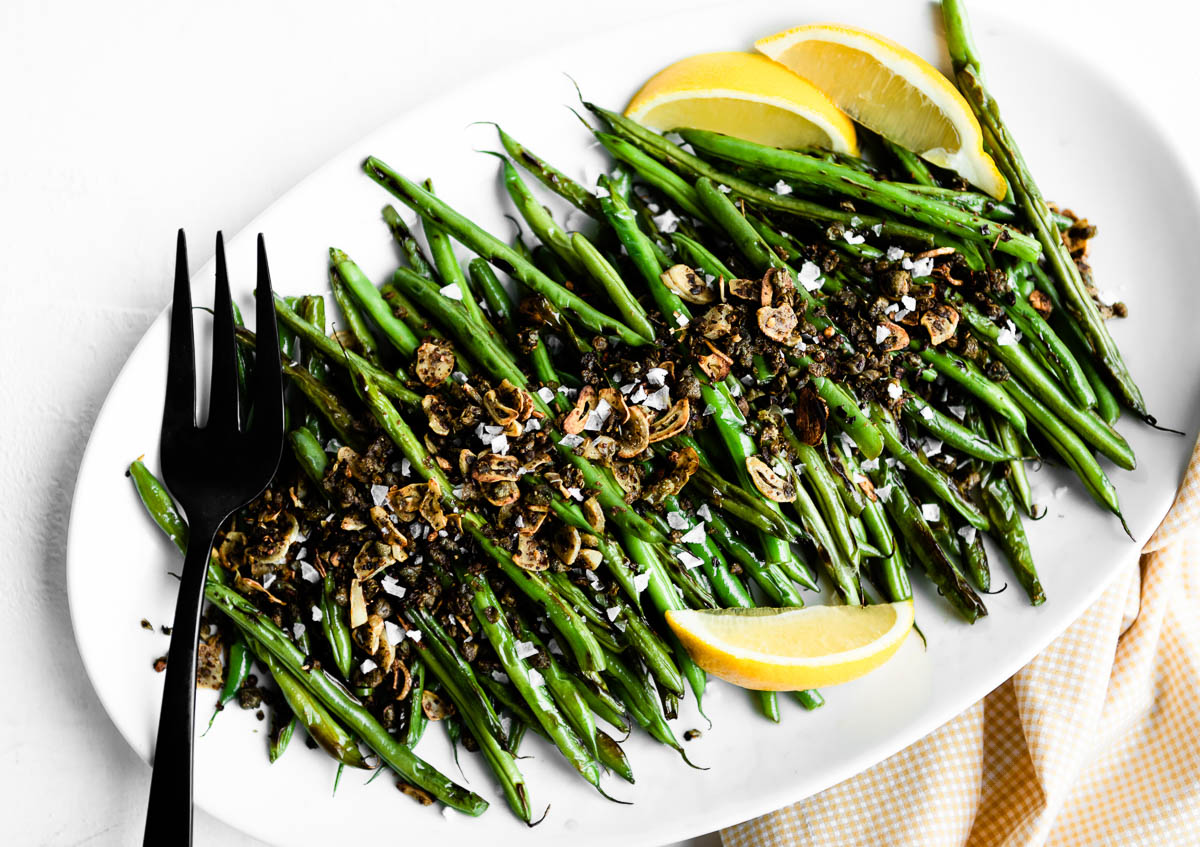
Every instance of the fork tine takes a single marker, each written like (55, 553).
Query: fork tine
(179, 408)
(268, 374)
(223, 412)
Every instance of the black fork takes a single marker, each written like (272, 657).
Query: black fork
(212, 472)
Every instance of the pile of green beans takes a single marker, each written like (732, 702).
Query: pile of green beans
(920, 479)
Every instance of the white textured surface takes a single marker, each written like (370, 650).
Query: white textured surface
(125, 120)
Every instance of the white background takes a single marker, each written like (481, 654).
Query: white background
(123, 120)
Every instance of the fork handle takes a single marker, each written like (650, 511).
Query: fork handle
(169, 819)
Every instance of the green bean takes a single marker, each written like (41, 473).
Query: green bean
(566, 695)
(496, 251)
(1012, 164)
(450, 661)
(343, 706)
(950, 543)
(353, 317)
(417, 721)
(1106, 402)
(893, 575)
(730, 425)
(605, 705)
(404, 309)
(766, 576)
(868, 550)
(611, 754)
(728, 217)
(655, 654)
(644, 211)
(728, 589)
(499, 303)
(907, 517)
(745, 505)
(289, 345)
(825, 489)
(768, 704)
(694, 167)
(873, 515)
(587, 651)
(578, 599)
(1014, 470)
(284, 723)
(851, 494)
(786, 248)
(661, 590)
(474, 707)
(158, 503)
(335, 628)
(677, 189)
(320, 397)
(700, 257)
(540, 221)
(318, 722)
(847, 181)
(600, 270)
(975, 559)
(309, 453)
(236, 671)
(844, 409)
(642, 254)
(912, 164)
(942, 426)
(843, 573)
(967, 375)
(613, 557)
(243, 367)
(1107, 406)
(637, 691)
(409, 245)
(732, 594)
(635, 222)
(1011, 536)
(544, 260)
(810, 699)
(532, 689)
(487, 350)
(366, 295)
(557, 181)
(613, 757)
(1086, 424)
(756, 251)
(388, 384)
(396, 428)
(1069, 446)
(919, 466)
(312, 308)
(981, 204)
(1047, 344)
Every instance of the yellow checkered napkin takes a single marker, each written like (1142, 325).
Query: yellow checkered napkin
(1094, 742)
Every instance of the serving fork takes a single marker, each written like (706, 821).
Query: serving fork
(211, 471)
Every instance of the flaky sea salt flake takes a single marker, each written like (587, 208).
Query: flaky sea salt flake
(809, 276)
(695, 535)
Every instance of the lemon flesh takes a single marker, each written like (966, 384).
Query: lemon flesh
(744, 95)
(792, 649)
(891, 90)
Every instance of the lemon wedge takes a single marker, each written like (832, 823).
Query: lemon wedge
(892, 90)
(744, 95)
(792, 649)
